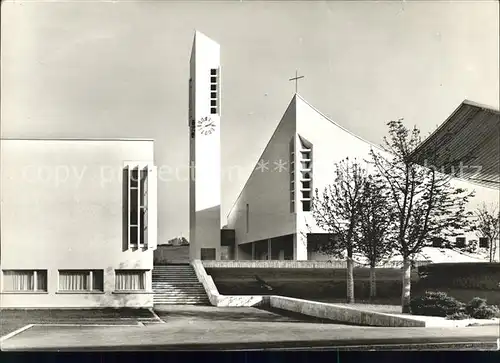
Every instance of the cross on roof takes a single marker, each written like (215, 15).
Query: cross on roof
(296, 79)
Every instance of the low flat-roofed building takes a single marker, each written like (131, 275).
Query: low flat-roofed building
(78, 223)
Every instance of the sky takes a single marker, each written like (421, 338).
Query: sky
(120, 69)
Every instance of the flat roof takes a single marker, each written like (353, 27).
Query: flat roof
(70, 139)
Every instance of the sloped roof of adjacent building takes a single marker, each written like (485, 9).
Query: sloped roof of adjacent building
(469, 136)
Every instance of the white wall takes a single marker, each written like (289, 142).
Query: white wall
(483, 194)
(62, 208)
(267, 192)
(331, 144)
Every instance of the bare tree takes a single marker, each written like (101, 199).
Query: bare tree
(336, 211)
(374, 237)
(423, 202)
(487, 225)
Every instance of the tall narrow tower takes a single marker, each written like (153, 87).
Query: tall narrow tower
(204, 154)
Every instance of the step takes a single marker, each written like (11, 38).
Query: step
(170, 277)
(177, 283)
(172, 273)
(175, 296)
(186, 297)
(175, 276)
(184, 303)
(178, 292)
(156, 273)
(180, 299)
(180, 281)
(159, 301)
(185, 281)
(178, 288)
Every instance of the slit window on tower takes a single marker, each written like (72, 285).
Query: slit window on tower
(190, 99)
(214, 91)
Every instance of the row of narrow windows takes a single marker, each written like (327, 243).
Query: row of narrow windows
(72, 280)
(214, 91)
(484, 242)
(305, 162)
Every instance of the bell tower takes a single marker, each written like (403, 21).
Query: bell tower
(205, 150)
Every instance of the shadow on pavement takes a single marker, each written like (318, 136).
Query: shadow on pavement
(243, 314)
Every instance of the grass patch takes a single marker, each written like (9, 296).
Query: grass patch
(11, 320)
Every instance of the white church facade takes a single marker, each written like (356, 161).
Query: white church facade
(272, 216)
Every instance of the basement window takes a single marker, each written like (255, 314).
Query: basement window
(130, 280)
(81, 280)
(25, 280)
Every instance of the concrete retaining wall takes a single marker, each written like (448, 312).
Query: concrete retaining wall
(341, 313)
(217, 299)
(306, 307)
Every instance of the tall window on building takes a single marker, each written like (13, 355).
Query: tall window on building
(130, 280)
(141, 187)
(214, 91)
(81, 280)
(24, 280)
(191, 122)
(292, 174)
(248, 217)
(305, 158)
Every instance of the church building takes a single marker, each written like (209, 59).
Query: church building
(271, 218)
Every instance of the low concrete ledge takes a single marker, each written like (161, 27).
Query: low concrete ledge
(273, 264)
(342, 314)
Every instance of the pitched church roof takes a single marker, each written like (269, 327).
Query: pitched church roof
(292, 106)
(470, 135)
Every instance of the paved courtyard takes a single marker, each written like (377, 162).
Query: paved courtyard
(193, 327)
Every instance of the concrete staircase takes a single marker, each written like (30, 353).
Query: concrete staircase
(177, 284)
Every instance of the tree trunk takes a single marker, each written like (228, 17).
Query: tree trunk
(405, 296)
(493, 250)
(350, 281)
(373, 282)
(492, 243)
